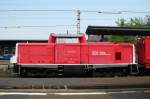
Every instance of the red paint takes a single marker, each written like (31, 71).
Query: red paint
(75, 53)
(143, 51)
(104, 53)
(67, 53)
(36, 53)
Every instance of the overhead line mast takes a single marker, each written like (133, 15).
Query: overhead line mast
(78, 21)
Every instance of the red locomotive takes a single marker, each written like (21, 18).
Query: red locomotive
(72, 55)
(143, 51)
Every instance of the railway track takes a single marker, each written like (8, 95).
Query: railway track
(9, 81)
(74, 83)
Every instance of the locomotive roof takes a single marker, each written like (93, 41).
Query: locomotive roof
(68, 35)
(111, 30)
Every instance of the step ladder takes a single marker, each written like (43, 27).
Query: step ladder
(134, 69)
(60, 70)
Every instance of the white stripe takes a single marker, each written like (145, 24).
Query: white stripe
(147, 91)
(75, 93)
(22, 93)
(122, 92)
(79, 64)
(88, 93)
(134, 55)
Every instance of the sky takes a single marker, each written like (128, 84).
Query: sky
(61, 22)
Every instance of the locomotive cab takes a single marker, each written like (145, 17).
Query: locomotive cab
(68, 53)
(67, 38)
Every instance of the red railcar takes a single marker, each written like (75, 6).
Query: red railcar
(143, 52)
(71, 54)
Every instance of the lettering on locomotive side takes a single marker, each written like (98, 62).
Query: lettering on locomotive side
(98, 53)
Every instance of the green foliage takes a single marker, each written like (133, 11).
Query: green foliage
(132, 22)
(122, 39)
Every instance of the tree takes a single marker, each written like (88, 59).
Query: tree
(132, 22)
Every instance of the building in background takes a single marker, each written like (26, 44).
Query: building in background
(7, 45)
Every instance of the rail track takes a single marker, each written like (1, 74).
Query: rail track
(74, 83)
